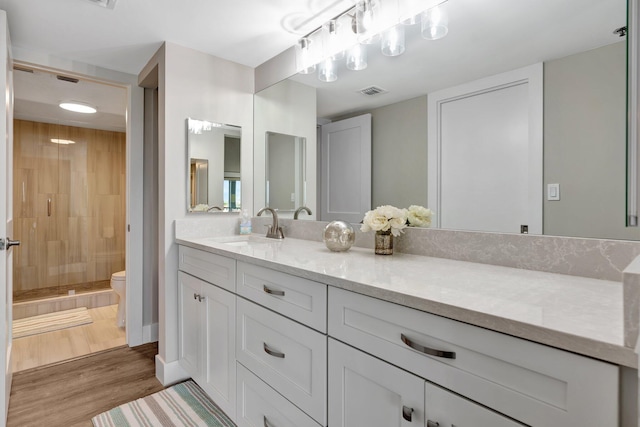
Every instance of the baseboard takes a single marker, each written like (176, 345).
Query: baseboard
(150, 333)
(169, 373)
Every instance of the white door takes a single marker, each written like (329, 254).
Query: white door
(189, 323)
(367, 392)
(485, 153)
(6, 211)
(219, 349)
(345, 185)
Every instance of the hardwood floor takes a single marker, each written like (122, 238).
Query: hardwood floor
(52, 347)
(69, 394)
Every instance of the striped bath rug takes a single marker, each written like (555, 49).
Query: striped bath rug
(51, 322)
(184, 404)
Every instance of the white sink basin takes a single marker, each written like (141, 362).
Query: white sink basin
(249, 240)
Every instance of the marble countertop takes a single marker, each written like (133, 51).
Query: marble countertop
(576, 314)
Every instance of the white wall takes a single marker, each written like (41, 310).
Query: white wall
(288, 108)
(191, 84)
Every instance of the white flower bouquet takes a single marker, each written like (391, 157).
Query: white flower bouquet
(419, 216)
(385, 219)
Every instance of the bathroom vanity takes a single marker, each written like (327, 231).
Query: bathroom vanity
(286, 333)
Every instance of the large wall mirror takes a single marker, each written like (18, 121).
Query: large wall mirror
(583, 104)
(213, 156)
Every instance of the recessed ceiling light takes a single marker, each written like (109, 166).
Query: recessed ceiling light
(62, 141)
(78, 107)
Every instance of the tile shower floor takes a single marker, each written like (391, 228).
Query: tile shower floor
(52, 347)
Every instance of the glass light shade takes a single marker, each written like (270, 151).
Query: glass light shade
(393, 41)
(368, 21)
(357, 57)
(305, 58)
(332, 40)
(328, 70)
(435, 23)
(77, 107)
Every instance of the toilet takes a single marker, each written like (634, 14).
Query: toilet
(119, 285)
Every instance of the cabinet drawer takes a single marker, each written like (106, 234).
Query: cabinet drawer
(533, 383)
(443, 408)
(209, 267)
(286, 355)
(300, 299)
(259, 405)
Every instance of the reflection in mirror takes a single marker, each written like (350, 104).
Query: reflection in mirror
(213, 154)
(285, 112)
(583, 105)
(285, 171)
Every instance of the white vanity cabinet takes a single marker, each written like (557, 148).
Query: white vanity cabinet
(534, 384)
(368, 392)
(206, 346)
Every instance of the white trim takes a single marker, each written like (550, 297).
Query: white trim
(169, 373)
(531, 75)
(150, 333)
(135, 110)
(633, 54)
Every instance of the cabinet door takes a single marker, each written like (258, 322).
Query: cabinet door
(445, 409)
(218, 376)
(189, 330)
(367, 392)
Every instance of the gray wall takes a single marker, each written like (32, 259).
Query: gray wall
(585, 144)
(399, 153)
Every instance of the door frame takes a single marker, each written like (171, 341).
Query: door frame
(531, 75)
(136, 332)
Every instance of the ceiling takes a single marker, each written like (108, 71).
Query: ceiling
(250, 32)
(124, 38)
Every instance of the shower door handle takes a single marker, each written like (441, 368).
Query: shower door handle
(49, 207)
(6, 244)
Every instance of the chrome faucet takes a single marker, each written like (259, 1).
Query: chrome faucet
(301, 208)
(274, 231)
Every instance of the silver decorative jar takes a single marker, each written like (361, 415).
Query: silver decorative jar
(339, 236)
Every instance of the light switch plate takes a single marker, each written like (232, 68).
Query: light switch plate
(553, 191)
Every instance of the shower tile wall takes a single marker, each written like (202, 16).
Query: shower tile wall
(82, 239)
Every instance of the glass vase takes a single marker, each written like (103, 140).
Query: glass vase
(384, 243)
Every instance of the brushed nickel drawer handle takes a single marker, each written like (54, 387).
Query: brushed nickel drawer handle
(407, 413)
(272, 352)
(427, 350)
(49, 207)
(272, 291)
(266, 422)
(435, 424)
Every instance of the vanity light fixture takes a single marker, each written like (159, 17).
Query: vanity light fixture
(78, 107)
(366, 23)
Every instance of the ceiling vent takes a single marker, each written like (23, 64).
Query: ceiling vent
(23, 69)
(67, 79)
(107, 4)
(372, 90)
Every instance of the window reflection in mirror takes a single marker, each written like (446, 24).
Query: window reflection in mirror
(213, 151)
(285, 171)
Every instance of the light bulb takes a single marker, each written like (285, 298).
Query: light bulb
(357, 57)
(435, 23)
(304, 57)
(328, 71)
(393, 41)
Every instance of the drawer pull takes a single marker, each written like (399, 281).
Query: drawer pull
(427, 350)
(272, 352)
(435, 424)
(272, 291)
(407, 413)
(266, 422)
